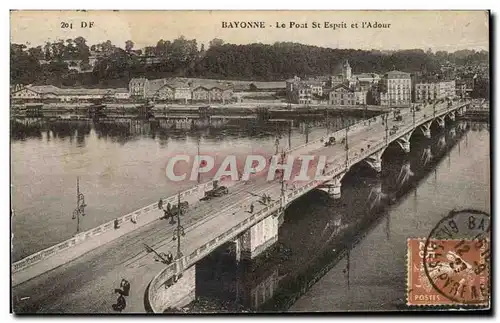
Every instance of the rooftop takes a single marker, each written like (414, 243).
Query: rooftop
(44, 89)
(398, 74)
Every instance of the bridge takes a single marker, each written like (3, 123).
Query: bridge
(255, 232)
(209, 225)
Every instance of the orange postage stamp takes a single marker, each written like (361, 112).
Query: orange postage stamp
(448, 272)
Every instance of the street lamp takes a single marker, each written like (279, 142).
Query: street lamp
(198, 146)
(80, 205)
(386, 128)
(327, 124)
(346, 148)
(413, 111)
(179, 231)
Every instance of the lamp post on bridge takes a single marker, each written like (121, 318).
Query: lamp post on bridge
(80, 205)
(198, 147)
(413, 112)
(179, 231)
(387, 128)
(327, 123)
(346, 147)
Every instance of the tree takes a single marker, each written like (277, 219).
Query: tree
(82, 49)
(129, 45)
(215, 42)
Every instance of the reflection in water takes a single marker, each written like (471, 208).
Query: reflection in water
(318, 232)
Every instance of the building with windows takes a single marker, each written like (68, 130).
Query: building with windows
(301, 93)
(342, 95)
(395, 89)
(461, 89)
(316, 87)
(138, 87)
(360, 97)
(201, 93)
(434, 90)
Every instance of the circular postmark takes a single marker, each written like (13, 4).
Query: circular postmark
(457, 257)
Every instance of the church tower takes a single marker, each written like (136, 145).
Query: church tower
(346, 70)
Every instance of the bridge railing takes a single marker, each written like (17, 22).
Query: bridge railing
(161, 281)
(339, 133)
(108, 226)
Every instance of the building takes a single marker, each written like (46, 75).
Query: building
(16, 87)
(40, 92)
(395, 89)
(342, 95)
(164, 93)
(153, 87)
(121, 94)
(360, 97)
(201, 93)
(461, 89)
(370, 78)
(182, 91)
(316, 87)
(434, 90)
(50, 92)
(138, 87)
(346, 70)
(301, 93)
(290, 83)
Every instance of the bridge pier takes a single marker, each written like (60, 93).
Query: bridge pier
(333, 187)
(440, 122)
(452, 133)
(451, 115)
(375, 161)
(404, 142)
(237, 248)
(259, 237)
(426, 129)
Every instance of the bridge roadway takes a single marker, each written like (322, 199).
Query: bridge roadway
(86, 284)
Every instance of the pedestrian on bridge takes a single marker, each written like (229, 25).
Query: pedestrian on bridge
(120, 304)
(251, 208)
(125, 286)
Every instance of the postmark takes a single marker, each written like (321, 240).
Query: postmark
(452, 265)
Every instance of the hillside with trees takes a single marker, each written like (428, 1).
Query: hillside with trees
(49, 64)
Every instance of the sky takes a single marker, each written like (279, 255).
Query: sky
(435, 30)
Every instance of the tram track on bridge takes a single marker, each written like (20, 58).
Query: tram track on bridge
(194, 224)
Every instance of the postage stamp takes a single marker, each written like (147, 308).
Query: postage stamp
(452, 266)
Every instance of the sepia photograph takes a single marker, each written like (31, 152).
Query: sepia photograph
(221, 162)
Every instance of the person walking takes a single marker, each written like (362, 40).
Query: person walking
(125, 286)
(251, 208)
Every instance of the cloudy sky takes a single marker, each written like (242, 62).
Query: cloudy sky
(438, 30)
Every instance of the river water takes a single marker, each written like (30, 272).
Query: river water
(121, 166)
